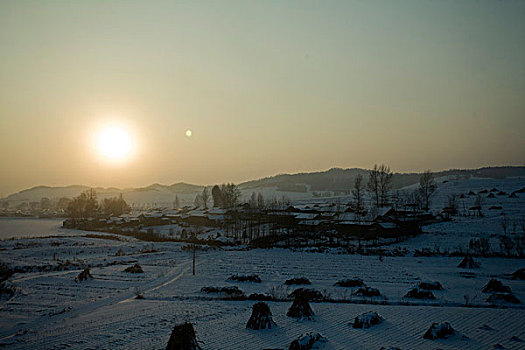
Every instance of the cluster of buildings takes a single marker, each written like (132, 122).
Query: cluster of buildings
(306, 219)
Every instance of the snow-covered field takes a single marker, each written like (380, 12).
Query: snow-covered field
(50, 310)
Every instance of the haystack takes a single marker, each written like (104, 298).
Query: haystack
(306, 341)
(439, 331)
(468, 263)
(297, 280)
(307, 293)
(418, 293)
(183, 338)
(134, 269)
(367, 292)
(300, 308)
(503, 297)
(354, 282)
(495, 286)
(367, 320)
(248, 278)
(519, 274)
(84, 275)
(261, 317)
(434, 285)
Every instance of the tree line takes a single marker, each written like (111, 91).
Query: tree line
(86, 206)
(225, 196)
(379, 186)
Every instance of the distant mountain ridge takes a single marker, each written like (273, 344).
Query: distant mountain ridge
(336, 180)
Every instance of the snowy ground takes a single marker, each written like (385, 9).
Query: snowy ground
(464, 227)
(51, 310)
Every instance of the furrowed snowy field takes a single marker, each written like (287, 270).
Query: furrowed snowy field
(50, 310)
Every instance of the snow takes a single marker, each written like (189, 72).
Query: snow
(50, 310)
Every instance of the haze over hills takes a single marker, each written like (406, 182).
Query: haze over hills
(335, 181)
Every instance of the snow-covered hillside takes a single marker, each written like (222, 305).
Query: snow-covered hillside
(329, 185)
(456, 233)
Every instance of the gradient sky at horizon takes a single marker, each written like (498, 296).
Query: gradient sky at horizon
(266, 87)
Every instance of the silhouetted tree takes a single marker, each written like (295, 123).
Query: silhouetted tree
(373, 183)
(427, 187)
(22, 206)
(385, 183)
(452, 202)
(479, 201)
(91, 203)
(230, 195)
(253, 201)
(216, 194)
(63, 203)
(198, 200)
(260, 201)
(176, 202)
(115, 206)
(83, 206)
(479, 245)
(506, 244)
(357, 192)
(205, 197)
(45, 203)
(504, 223)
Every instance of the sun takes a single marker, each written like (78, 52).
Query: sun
(114, 143)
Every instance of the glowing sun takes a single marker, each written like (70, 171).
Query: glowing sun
(114, 143)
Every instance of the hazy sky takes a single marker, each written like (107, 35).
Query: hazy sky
(266, 87)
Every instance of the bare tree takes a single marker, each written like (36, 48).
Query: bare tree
(230, 195)
(380, 183)
(205, 197)
(176, 202)
(63, 203)
(373, 183)
(216, 194)
(385, 183)
(115, 206)
(357, 192)
(452, 203)
(91, 208)
(198, 200)
(84, 206)
(478, 203)
(253, 201)
(45, 203)
(506, 244)
(260, 201)
(504, 223)
(285, 201)
(427, 187)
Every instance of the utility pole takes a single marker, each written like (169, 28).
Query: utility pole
(193, 256)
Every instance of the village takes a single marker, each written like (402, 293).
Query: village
(312, 223)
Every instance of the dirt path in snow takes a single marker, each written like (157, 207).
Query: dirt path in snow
(85, 310)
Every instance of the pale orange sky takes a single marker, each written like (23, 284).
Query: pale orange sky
(266, 88)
